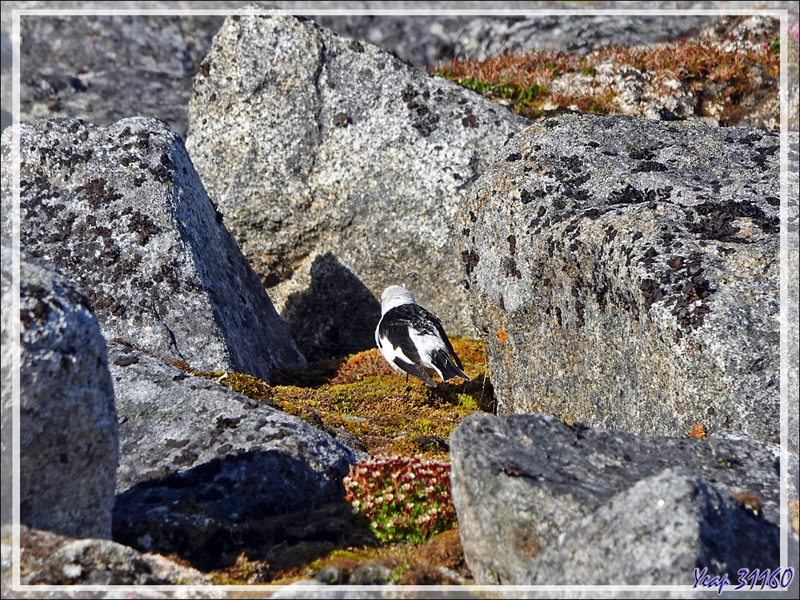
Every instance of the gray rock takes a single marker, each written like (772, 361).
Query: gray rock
(368, 574)
(121, 210)
(68, 429)
(791, 281)
(483, 38)
(51, 559)
(6, 382)
(102, 68)
(316, 144)
(624, 274)
(311, 588)
(657, 533)
(421, 40)
(371, 574)
(199, 461)
(521, 481)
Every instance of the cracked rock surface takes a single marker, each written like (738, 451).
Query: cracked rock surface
(200, 465)
(532, 493)
(51, 559)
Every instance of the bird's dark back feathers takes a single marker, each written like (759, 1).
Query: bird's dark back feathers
(394, 327)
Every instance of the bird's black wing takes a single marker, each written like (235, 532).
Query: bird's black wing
(440, 330)
(416, 371)
(444, 363)
(393, 327)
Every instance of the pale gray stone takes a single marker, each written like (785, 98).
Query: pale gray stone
(312, 144)
(657, 533)
(199, 461)
(521, 482)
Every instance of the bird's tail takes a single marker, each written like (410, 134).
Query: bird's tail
(442, 361)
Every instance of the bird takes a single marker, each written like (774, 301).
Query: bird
(413, 341)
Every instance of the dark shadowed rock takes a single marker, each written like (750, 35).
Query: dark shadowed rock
(199, 462)
(121, 210)
(7, 381)
(624, 274)
(521, 482)
(68, 429)
(658, 532)
(313, 144)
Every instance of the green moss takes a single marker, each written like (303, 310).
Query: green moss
(363, 395)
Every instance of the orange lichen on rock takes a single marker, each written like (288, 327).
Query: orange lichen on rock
(698, 432)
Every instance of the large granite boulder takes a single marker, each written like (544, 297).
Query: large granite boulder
(625, 275)
(68, 428)
(532, 493)
(201, 464)
(102, 68)
(121, 211)
(312, 144)
(658, 532)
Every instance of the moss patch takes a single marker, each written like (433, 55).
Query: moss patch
(364, 396)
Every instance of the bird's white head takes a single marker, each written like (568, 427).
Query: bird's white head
(395, 296)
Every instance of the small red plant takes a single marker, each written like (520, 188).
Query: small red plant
(405, 499)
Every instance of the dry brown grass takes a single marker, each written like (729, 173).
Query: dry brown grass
(712, 75)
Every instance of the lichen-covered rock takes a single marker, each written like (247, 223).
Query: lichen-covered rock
(68, 428)
(313, 144)
(521, 483)
(50, 559)
(791, 280)
(6, 381)
(102, 68)
(121, 211)
(492, 37)
(199, 461)
(625, 275)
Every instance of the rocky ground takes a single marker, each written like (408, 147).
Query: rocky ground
(200, 399)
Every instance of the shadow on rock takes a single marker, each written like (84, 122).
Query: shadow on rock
(335, 316)
(210, 514)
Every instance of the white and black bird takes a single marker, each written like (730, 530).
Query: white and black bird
(413, 341)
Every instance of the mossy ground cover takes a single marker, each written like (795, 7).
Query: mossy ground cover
(362, 395)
